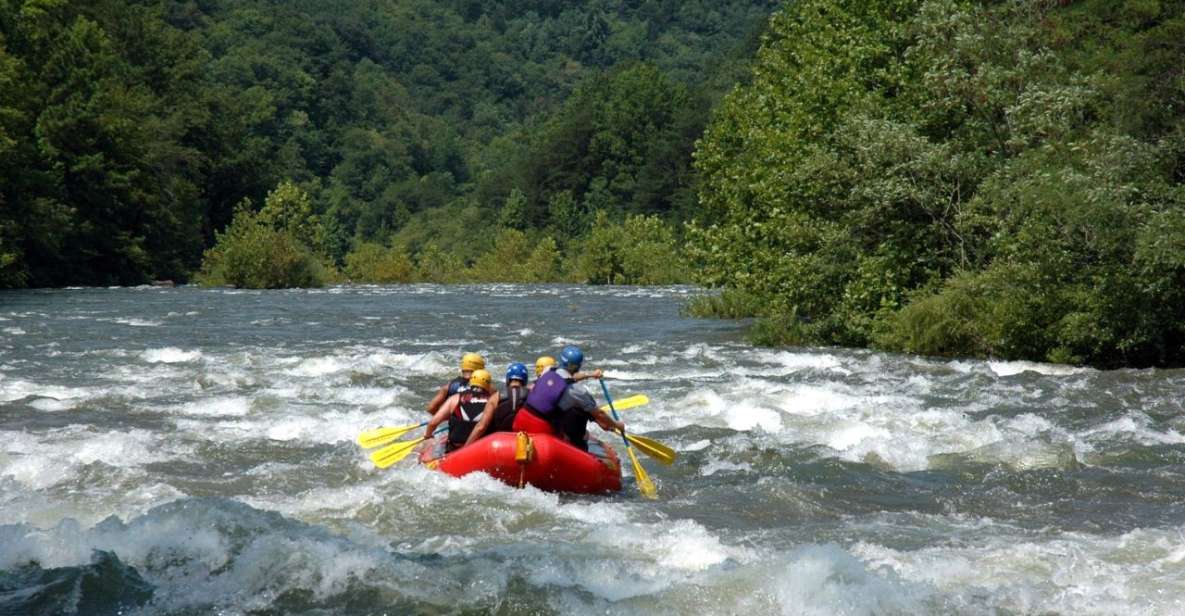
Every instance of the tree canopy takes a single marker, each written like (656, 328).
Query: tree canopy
(957, 177)
(130, 130)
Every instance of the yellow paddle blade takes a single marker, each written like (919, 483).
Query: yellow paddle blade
(627, 403)
(381, 436)
(645, 486)
(393, 453)
(653, 448)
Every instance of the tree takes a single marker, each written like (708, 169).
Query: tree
(951, 177)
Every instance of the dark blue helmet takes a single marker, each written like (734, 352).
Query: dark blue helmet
(516, 372)
(571, 358)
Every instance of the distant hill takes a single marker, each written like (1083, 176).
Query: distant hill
(129, 130)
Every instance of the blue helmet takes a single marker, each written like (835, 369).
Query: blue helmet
(571, 358)
(516, 372)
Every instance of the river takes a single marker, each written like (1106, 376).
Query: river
(189, 451)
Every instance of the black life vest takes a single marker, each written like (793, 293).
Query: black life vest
(466, 415)
(507, 408)
(457, 385)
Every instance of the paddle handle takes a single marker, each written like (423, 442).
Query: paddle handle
(612, 408)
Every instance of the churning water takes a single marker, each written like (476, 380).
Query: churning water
(187, 451)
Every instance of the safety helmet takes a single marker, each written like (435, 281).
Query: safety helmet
(542, 364)
(481, 378)
(571, 358)
(472, 361)
(516, 372)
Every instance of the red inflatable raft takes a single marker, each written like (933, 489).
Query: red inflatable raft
(542, 460)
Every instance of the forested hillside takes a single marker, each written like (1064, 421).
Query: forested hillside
(957, 177)
(427, 136)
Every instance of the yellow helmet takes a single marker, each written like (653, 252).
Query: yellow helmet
(543, 363)
(472, 361)
(481, 378)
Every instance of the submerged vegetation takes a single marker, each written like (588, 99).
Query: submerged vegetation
(952, 177)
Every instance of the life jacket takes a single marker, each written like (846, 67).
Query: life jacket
(507, 408)
(464, 418)
(457, 385)
(545, 394)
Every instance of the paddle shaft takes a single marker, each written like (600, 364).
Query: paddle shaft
(644, 482)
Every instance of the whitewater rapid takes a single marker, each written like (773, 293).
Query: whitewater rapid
(198, 446)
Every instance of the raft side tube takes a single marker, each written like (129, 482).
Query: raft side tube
(552, 464)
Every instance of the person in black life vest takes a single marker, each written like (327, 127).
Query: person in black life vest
(567, 406)
(501, 410)
(508, 404)
(469, 363)
(464, 410)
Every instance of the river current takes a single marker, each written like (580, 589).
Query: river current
(191, 451)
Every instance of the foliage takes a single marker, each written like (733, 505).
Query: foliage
(95, 176)
(726, 304)
(268, 249)
(439, 265)
(374, 263)
(620, 143)
(955, 177)
(130, 130)
(253, 255)
(640, 250)
(515, 258)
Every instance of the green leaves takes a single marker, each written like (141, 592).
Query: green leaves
(951, 177)
(640, 250)
(268, 249)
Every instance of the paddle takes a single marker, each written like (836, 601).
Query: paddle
(652, 448)
(644, 484)
(628, 403)
(381, 436)
(393, 453)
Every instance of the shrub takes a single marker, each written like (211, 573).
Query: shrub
(278, 247)
(727, 304)
(543, 264)
(439, 265)
(371, 262)
(642, 250)
(251, 255)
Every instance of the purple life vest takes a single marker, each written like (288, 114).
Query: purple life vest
(546, 393)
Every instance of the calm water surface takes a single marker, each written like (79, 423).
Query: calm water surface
(190, 451)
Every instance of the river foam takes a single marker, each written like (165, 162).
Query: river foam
(209, 453)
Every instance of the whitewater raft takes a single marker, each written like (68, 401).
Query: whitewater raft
(541, 460)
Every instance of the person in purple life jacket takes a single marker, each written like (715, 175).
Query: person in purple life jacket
(566, 405)
(546, 362)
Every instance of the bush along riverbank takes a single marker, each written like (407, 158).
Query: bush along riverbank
(283, 244)
(950, 177)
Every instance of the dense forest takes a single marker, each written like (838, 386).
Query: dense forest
(956, 178)
(423, 138)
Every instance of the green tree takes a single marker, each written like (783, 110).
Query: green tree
(952, 177)
(514, 212)
(439, 265)
(641, 250)
(253, 254)
(288, 208)
(374, 263)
